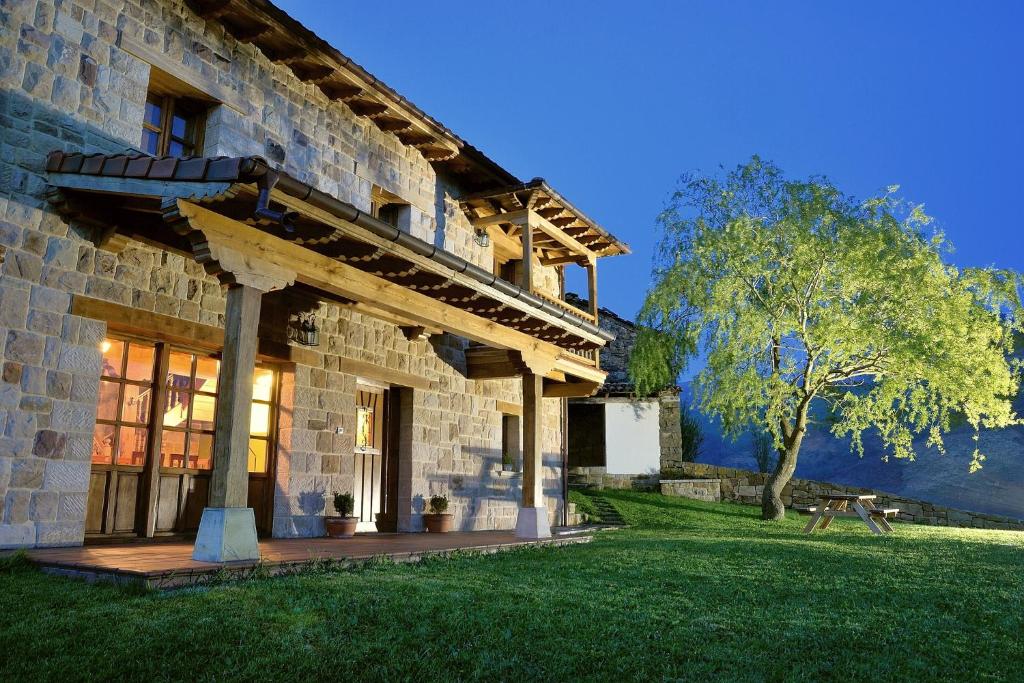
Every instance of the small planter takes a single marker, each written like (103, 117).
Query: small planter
(341, 527)
(439, 523)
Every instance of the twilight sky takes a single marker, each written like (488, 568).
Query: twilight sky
(611, 102)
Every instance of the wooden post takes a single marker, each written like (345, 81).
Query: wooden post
(227, 530)
(151, 471)
(533, 513)
(527, 237)
(592, 288)
(229, 483)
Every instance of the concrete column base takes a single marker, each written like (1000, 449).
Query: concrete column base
(533, 523)
(227, 535)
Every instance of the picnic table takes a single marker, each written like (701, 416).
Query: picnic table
(838, 505)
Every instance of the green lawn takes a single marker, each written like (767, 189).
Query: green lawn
(693, 591)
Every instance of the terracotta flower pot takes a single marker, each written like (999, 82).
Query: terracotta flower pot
(439, 524)
(341, 527)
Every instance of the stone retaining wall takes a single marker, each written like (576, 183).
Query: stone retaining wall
(742, 486)
(697, 489)
(597, 478)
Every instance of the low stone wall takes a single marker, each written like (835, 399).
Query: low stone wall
(742, 486)
(597, 478)
(697, 489)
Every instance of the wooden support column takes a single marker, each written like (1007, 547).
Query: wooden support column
(533, 512)
(527, 237)
(229, 483)
(227, 530)
(592, 288)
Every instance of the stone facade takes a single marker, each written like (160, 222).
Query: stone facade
(65, 84)
(597, 478)
(741, 486)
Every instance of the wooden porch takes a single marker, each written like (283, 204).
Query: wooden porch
(170, 564)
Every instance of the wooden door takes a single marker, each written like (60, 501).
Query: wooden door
(153, 444)
(124, 410)
(375, 480)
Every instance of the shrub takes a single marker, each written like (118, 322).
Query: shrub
(438, 504)
(344, 503)
(691, 436)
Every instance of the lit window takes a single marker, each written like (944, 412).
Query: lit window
(124, 404)
(367, 425)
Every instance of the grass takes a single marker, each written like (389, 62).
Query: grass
(691, 591)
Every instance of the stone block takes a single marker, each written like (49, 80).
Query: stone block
(226, 535)
(71, 506)
(16, 506)
(24, 347)
(49, 444)
(61, 533)
(13, 307)
(17, 536)
(26, 473)
(43, 506)
(11, 372)
(66, 477)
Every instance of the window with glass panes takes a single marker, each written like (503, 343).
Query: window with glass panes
(188, 421)
(124, 405)
(264, 388)
(172, 126)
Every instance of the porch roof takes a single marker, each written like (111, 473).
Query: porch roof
(566, 233)
(140, 190)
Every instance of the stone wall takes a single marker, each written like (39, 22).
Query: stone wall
(741, 486)
(709, 490)
(597, 478)
(65, 84)
(671, 437)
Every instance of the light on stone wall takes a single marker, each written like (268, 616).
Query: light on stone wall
(481, 237)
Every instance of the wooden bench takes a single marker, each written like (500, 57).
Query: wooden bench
(848, 505)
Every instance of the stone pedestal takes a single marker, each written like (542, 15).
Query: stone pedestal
(533, 523)
(227, 535)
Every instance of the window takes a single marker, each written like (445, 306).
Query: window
(368, 424)
(191, 403)
(124, 404)
(390, 208)
(264, 387)
(511, 440)
(173, 126)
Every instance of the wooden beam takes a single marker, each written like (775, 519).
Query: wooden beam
(342, 279)
(508, 408)
(559, 235)
(527, 282)
(229, 482)
(570, 389)
(533, 448)
(427, 264)
(381, 374)
(592, 289)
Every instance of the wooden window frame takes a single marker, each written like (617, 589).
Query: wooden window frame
(169, 104)
(122, 382)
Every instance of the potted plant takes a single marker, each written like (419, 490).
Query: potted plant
(438, 521)
(344, 525)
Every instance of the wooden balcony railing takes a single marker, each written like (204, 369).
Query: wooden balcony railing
(579, 312)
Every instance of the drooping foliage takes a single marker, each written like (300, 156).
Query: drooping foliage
(794, 293)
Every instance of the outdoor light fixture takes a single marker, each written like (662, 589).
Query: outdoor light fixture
(304, 332)
(481, 237)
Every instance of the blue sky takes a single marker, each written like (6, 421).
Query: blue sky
(612, 102)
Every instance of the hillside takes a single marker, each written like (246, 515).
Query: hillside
(998, 488)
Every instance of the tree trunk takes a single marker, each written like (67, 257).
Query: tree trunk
(772, 508)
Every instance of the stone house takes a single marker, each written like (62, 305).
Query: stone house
(239, 273)
(617, 437)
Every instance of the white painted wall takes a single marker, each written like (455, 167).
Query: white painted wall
(631, 437)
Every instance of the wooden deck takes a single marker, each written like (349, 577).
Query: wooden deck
(170, 564)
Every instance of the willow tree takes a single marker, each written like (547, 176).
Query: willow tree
(795, 295)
